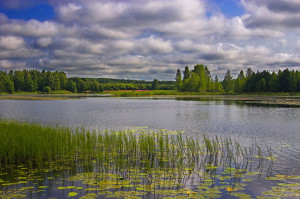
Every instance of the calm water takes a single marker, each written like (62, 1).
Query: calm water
(193, 117)
(275, 126)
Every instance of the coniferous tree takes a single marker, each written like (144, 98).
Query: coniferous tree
(227, 82)
(178, 83)
(186, 73)
(155, 84)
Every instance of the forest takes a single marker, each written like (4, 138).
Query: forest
(47, 82)
(198, 79)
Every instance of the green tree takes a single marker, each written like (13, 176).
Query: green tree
(155, 84)
(186, 73)
(96, 87)
(261, 85)
(81, 86)
(239, 82)
(71, 86)
(293, 81)
(284, 80)
(19, 80)
(274, 83)
(199, 70)
(63, 80)
(29, 84)
(227, 82)
(194, 81)
(47, 90)
(56, 81)
(217, 85)
(249, 72)
(10, 87)
(178, 83)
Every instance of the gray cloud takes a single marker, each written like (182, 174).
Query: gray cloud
(31, 28)
(279, 14)
(143, 39)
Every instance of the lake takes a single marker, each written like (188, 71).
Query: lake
(277, 127)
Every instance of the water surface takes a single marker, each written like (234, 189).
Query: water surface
(277, 127)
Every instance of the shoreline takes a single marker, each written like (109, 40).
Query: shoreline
(269, 99)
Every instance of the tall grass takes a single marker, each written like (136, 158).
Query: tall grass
(35, 146)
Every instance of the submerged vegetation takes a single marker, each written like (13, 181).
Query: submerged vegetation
(45, 161)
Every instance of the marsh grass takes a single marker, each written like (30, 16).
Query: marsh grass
(34, 145)
(130, 162)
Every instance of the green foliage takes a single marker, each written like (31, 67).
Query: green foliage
(47, 90)
(199, 80)
(186, 73)
(71, 86)
(178, 83)
(155, 84)
(227, 82)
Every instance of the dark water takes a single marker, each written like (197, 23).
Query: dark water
(278, 127)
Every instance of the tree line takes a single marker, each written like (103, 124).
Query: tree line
(47, 82)
(200, 80)
(265, 81)
(197, 80)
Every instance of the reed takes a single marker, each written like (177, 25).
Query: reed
(35, 145)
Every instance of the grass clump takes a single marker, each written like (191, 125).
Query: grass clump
(34, 145)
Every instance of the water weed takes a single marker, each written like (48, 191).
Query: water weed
(135, 163)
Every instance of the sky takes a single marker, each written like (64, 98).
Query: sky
(148, 39)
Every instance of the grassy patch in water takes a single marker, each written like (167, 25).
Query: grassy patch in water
(132, 163)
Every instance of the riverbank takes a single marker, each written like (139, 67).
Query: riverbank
(285, 99)
(48, 96)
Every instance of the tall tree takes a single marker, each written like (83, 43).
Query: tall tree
(178, 83)
(155, 84)
(186, 73)
(227, 82)
(274, 83)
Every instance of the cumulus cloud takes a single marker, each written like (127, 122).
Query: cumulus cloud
(44, 42)
(11, 42)
(280, 14)
(31, 28)
(11, 65)
(152, 45)
(151, 39)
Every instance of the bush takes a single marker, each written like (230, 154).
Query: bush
(47, 89)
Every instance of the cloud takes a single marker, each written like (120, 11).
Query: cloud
(11, 42)
(11, 65)
(152, 45)
(22, 53)
(31, 28)
(280, 14)
(44, 42)
(19, 4)
(151, 39)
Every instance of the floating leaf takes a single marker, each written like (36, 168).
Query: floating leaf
(72, 194)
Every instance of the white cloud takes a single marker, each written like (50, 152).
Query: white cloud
(31, 28)
(279, 14)
(44, 42)
(153, 45)
(11, 42)
(153, 38)
(10, 65)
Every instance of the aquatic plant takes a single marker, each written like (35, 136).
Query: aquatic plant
(139, 160)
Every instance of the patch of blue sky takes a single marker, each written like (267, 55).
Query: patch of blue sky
(230, 8)
(40, 12)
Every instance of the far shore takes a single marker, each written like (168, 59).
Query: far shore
(253, 98)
